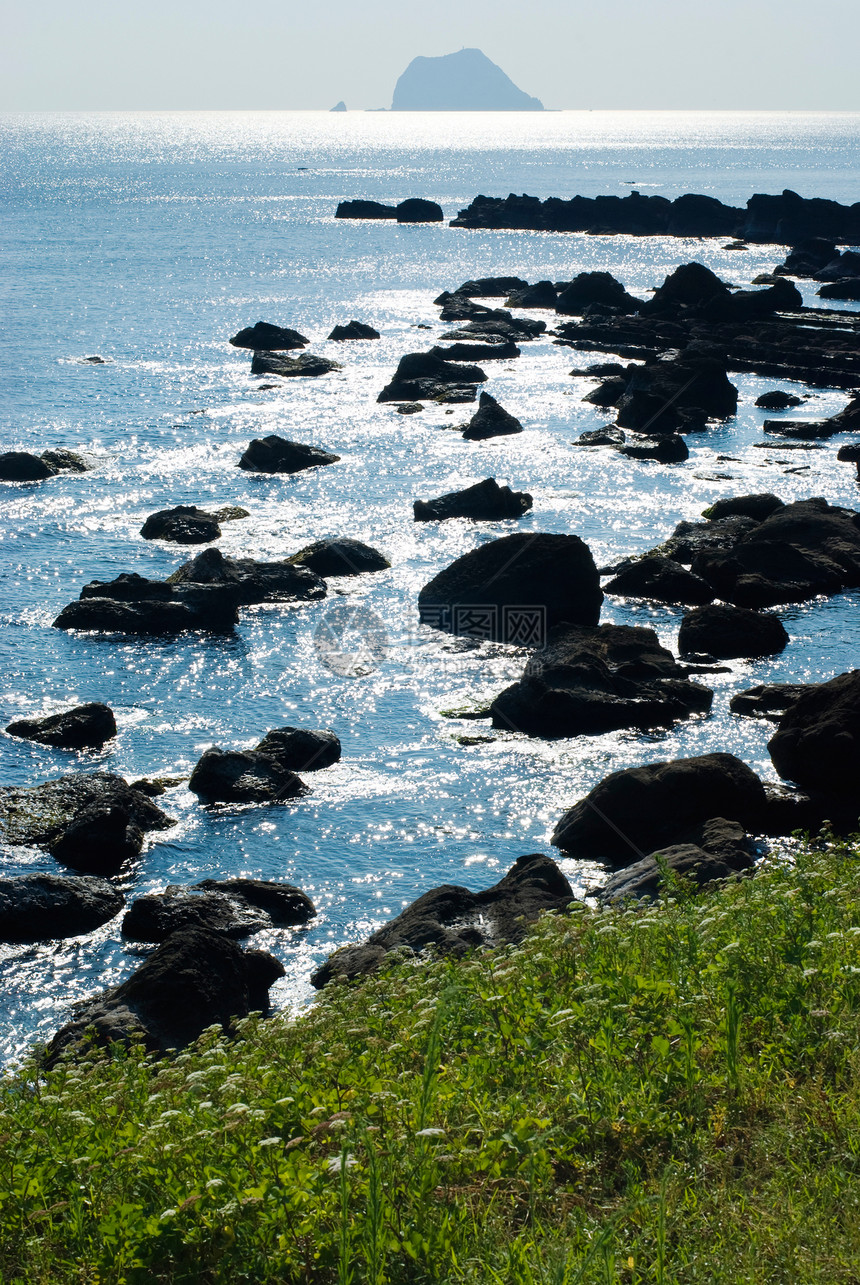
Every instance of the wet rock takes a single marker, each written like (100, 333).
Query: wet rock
(340, 557)
(21, 466)
(609, 392)
(275, 454)
(850, 453)
(65, 461)
(505, 350)
(778, 400)
(692, 285)
(490, 420)
(409, 408)
(420, 377)
(640, 810)
(689, 539)
(93, 360)
(542, 294)
(670, 449)
(817, 741)
(243, 776)
(490, 287)
(308, 364)
(841, 267)
(694, 862)
(661, 580)
(84, 727)
(193, 980)
(89, 821)
(131, 604)
(766, 700)
(758, 507)
(264, 337)
(301, 749)
(608, 436)
(848, 418)
(746, 305)
(43, 907)
(417, 210)
(658, 395)
(514, 588)
(807, 429)
(354, 330)
(453, 920)
(730, 632)
(235, 907)
(484, 502)
(595, 288)
(252, 581)
(587, 681)
(365, 210)
(848, 288)
(184, 524)
(809, 257)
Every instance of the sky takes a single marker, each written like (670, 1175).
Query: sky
(278, 54)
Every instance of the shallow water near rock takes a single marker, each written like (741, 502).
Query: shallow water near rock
(150, 239)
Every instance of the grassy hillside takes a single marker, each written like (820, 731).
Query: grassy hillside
(666, 1094)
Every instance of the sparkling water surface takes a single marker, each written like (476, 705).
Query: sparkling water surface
(149, 239)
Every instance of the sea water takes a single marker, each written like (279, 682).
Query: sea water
(149, 239)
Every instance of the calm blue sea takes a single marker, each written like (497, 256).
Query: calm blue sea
(151, 238)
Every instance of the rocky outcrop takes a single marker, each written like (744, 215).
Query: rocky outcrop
(543, 294)
(132, 604)
(422, 377)
(91, 822)
(307, 365)
(354, 330)
(485, 288)
(193, 980)
(497, 350)
(275, 454)
(667, 449)
(452, 920)
(757, 507)
(717, 850)
(264, 337)
(640, 810)
(65, 461)
(778, 400)
(418, 210)
(340, 557)
(589, 680)
(244, 776)
(599, 289)
(728, 632)
(235, 907)
(42, 907)
(484, 502)
(817, 741)
(84, 727)
(251, 581)
(848, 288)
(301, 749)
(490, 420)
(514, 589)
(361, 209)
(766, 700)
(185, 524)
(21, 466)
(461, 82)
(662, 580)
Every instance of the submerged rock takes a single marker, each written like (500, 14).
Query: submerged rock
(490, 420)
(453, 920)
(275, 454)
(264, 337)
(43, 907)
(84, 727)
(235, 907)
(484, 502)
(252, 581)
(817, 741)
(340, 557)
(729, 632)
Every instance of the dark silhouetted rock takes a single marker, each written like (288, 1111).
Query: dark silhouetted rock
(354, 330)
(806, 429)
(483, 502)
(778, 400)
(849, 288)
(184, 524)
(193, 980)
(301, 749)
(766, 700)
(365, 210)
(609, 436)
(639, 810)
(340, 557)
(236, 907)
(461, 82)
(595, 288)
(515, 588)
(417, 210)
(487, 288)
(252, 581)
(21, 466)
(275, 454)
(693, 862)
(609, 392)
(490, 420)
(42, 907)
(505, 350)
(692, 285)
(542, 294)
(308, 364)
(65, 461)
(817, 741)
(746, 305)
(409, 408)
(848, 419)
(849, 454)
(237, 776)
(264, 337)
(729, 632)
(670, 449)
(133, 605)
(85, 727)
(758, 507)
(453, 920)
(592, 680)
(421, 377)
(661, 580)
(339, 107)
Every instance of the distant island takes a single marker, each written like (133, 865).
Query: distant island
(463, 82)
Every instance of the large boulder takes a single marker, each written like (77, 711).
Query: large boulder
(252, 581)
(453, 920)
(848, 288)
(236, 907)
(489, 287)
(81, 728)
(354, 330)
(817, 741)
(243, 776)
(757, 507)
(690, 286)
(595, 288)
(513, 589)
(21, 466)
(193, 980)
(90, 822)
(420, 376)
(675, 393)
(132, 604)
(662, 580)
(776, 399)
(639, 810)
(43, 907)
(667, 449)
(728, 632)
(718, 850)
(591, 680)
(308, 365)
(361, 209)
(484, 502)
(264, 337)
(275, 454)
(301, 749)
(416, 210)
(490, 420)
(340, 557)
(766, 700)
(542, 294)
(749, 305)
(185, 524)
(65, 461)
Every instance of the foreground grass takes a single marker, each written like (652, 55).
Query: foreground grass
(667, 1094)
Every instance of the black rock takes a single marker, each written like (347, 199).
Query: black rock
(409, 408)
(275, 454)
(252, 581)
(806, 429)
(609, 392)
(42, 907)
(689, 539)
(730, 632)
(817, 741)
(417, 210)
(514, 589)
(340, 557)
(661, 580)
(587, 681)
(639, 810)
(693, 862)
(670, 449)
(778, 400)
(212, 609)
(747, 305)
(484, 502)
(849, 453)
(690, 286)
(85, 727)
(420, 377)
(21, 466)
(184, 524)
(308, 364)
(758, 507)
(354, 330)
(193, 980)
(595, 288)
(365, 210)
(542, 294)
(301, 749)
(453, 920)
(848, 418)
(608, 436)
(65, 461)
(849, 288)
(237, 776)
(236, 907)
(766, 700)
(505, 350)
(264, 337)
(489, 287)
(490, 420)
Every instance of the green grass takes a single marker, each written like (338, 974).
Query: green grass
(664, 1094)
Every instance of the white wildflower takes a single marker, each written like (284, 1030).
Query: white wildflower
(335, 1164)
(429, 1133)
(213, 1183)
(270, 1142)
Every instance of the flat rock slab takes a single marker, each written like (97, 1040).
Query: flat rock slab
(275, 454)
(43, 907)
(85, 727)
(236, 907)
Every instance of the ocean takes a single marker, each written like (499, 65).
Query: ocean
(149, 239)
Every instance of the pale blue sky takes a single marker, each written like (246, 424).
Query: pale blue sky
(84, 54)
